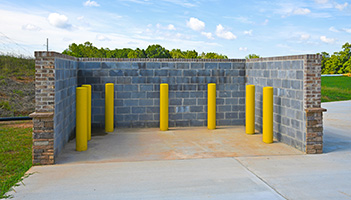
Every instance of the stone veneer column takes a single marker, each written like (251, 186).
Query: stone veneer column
(312, 104)
(43, 117)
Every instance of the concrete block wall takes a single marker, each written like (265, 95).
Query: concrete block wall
(296, 81)
(288, 75)
(65, 101)
(137, 85)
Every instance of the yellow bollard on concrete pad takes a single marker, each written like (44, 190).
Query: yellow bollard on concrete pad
(89, 109)
(81, 119)
(164, 107)
(267, 126)
(250, 109)
(109, 107)
(211, 106)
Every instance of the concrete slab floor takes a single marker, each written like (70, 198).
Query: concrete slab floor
(177, 143)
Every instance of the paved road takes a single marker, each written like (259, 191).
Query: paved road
(325, 176)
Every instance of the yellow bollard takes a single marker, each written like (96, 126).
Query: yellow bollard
(211, 106)
(164, 107)
(109, 107)
(250, 109)
(267, 133)
(89, 109)
(81, 119)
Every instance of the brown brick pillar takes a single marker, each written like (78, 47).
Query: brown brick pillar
(314, 126)
(43, 138)
(43, 117)
(312, 104)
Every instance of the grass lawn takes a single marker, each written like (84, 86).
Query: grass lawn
(15, 155)
(336, 88)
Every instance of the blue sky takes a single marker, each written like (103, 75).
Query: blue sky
(233, 28)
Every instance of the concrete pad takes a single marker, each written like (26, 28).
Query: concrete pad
(217, 178)
(177, 143)
(337, 126)
(326, 176)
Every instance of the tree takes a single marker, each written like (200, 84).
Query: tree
(251, 56)
(339, 62)
(212, 55)
(177, 53)
(157, 51)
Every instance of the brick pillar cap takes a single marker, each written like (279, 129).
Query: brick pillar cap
(315, 110)
(41, 114)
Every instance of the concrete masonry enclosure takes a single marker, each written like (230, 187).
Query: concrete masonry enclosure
(296, 82)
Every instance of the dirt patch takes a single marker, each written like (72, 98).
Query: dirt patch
(17, 96)
(17, 124)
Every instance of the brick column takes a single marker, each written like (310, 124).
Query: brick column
(43, 117)
(312, 104)
(43, 138)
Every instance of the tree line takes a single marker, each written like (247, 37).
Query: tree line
(338, 62)
(152, 51)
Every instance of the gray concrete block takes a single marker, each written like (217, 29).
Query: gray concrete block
(168, 66)
(175, 87)
(196, 109)
(225, 66)
(138, 65)
(175, 72)
(122, 65)
(286, 121)
(123, 110)
(131, 117)
(197, 65)
(153, 80)
(220, 72)
(118, 103)
(211, 79)
(231, 115)
(182, 65)
(219, 101)
(153, 94)
(169, 80)
(231, 101)
(182, 94)
(190, 72)
(132, 88)
(197, 94)
(124, 95)
(296, 104)
(211, 65)
(299, 75)
(225, 93)
(138, 110)
(224, 108)
(146, 117)
(175, 102)
(129, 102)
(116, 73)
(202, 72)
(153, 109)
(92, 80)
(201, 102)
(238, 108)
(138, 80)
(130, 72)
(182, 80)
(198, 79)
(161, 72)
(146, 102)
(197, 123)
(146, 87)
(189, 87)
(124, 80)
(296, 84)
(176, 116)
(147, 72)
(286, 83)
(182, 109)
(153, 65)
(183, 123)
(189, 116)
(189, 102)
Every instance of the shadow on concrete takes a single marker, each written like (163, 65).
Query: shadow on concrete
(336, 140)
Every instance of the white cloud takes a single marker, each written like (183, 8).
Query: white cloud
(30, 27)
(171, 27)
(249, 32)
(301, 11)
(265, 22)
(347, 30)
(80, 18)
(102, 38)
(91, 4)
(341, 6)
(195, 24)
(304, 36)
(332, 29)
(327, 40)
(59, 21)
(220, 32)
(242, 48)
(321, 1)
(208, 35)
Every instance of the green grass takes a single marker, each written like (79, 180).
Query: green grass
(15, 156)
(336, 88)
(16, 66)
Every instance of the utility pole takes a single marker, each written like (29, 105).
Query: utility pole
(47, 44)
